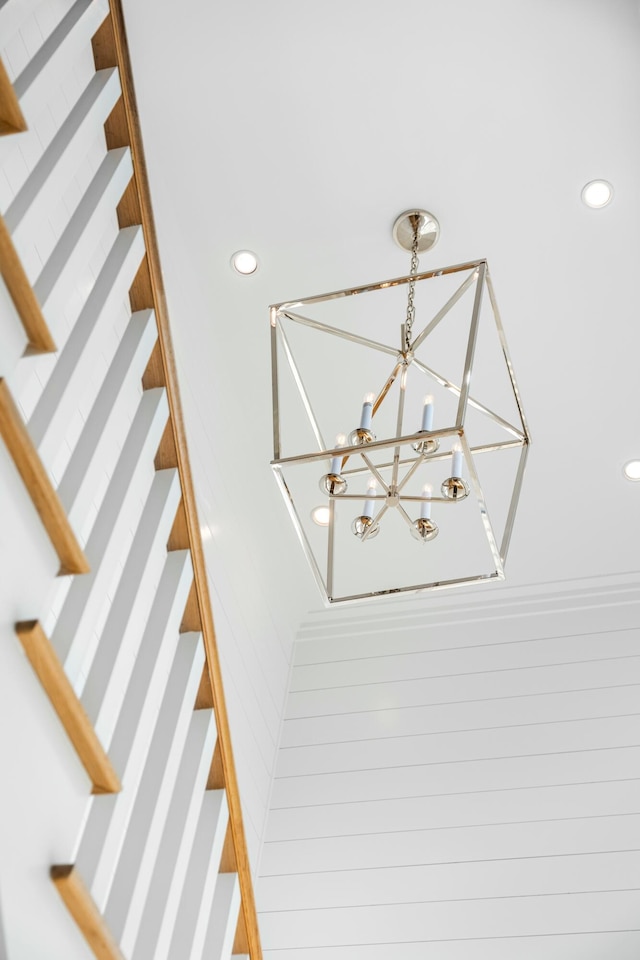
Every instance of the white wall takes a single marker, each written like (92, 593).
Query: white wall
(462, 783)
(150, 853)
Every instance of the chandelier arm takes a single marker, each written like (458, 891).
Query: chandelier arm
(357, 496)
(418, 461)
(376, 523)
(505, 352)
(375, 473)
(405, 516)
(301, 390)
(441, 314)
(450, 385)
(338, 332)
(385, 390)
(446, 500)
(379, 399)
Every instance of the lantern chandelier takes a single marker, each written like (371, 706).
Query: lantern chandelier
(396, 505)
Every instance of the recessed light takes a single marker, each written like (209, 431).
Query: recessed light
(597, 193)
(321, 516)
(631, 470)
(244, 262)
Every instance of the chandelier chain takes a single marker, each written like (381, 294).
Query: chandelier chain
(411, 310)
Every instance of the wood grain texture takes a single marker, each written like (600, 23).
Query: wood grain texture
(82, 908)
(39, 486)
(111, 49)
(23, 296)
(11, 119)
(205, 702)
(74, 719)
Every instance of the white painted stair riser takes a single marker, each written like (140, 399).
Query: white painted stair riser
(119, 513)
(115, 406)
(120, 639)
(52, 174)
(79, 240)
(156, 928)
(91, 338)
(108, 822)
(48, 68)
(202, 877)
(223, 919)
(141, 846)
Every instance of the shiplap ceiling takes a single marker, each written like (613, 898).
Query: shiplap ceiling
(300, 131)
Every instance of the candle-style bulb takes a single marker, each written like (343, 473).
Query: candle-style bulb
(336, 462)
(367, 411)
(427, 413)
(425, 506)
(456, 460)
(369, 504)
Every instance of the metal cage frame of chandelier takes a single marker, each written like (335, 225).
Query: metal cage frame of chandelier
(424, 443)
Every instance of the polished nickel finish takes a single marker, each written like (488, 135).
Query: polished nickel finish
(361, 437)
(427, 446)
(403, 463)
(424, 529)
(418, 223)
(454, 488)
(364, 528)
(333, 484)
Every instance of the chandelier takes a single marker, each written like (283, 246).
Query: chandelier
(400, 462)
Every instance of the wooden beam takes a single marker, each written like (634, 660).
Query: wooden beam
(82, 908)
(111, 49)
(11, 119)
(24, 299)
(39, 486)
(74, 719)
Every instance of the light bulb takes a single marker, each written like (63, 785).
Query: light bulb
(369, 504)
(597, 193)
(425, 507)
(244, 262)
(456, 460)
(632, 470)
(427, 414)
(336, 462)
(367, 411)
(321, 516)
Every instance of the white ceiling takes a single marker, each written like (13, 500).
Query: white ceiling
(300, 131)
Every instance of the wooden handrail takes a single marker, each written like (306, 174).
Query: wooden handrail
(111, 49)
